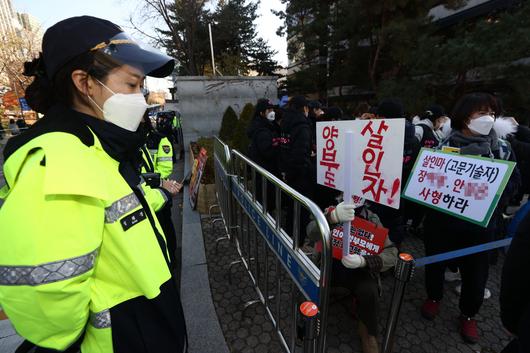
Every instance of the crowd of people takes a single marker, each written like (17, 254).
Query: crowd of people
(283, 141)
(93, 268)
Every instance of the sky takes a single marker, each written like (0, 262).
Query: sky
(48, 12)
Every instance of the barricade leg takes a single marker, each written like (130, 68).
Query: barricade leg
(211, 208)
(403, 273)
(309, 313)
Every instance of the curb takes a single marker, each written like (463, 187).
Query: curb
(204, 331)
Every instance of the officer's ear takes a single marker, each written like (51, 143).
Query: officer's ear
(82, 83)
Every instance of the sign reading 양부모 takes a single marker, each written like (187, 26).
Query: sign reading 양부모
(467, 187)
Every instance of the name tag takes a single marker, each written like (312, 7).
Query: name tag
(132, 219)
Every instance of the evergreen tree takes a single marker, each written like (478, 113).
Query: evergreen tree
(240, 139)
(483, 55)
(345, 42)
(307, 28)
(228, 125)
(237, 47)
(236, 40)
(186, 35)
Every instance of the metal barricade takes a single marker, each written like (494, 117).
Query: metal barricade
(222, 187)
(282, 275)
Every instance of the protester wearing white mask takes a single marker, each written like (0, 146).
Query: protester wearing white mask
(472, 133)
(264, 147)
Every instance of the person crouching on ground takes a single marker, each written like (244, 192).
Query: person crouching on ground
(360, 274)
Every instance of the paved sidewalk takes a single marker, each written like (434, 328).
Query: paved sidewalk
(252, 332)
(204, 332)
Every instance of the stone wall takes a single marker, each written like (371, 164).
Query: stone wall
(203, 100)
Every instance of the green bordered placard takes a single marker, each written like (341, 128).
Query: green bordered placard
(438, 175)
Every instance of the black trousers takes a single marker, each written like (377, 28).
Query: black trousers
(473, 268)
(304, 184)
(364, 288)
(164, 218)
(271, 194)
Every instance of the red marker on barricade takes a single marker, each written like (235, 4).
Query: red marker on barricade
(309, 311)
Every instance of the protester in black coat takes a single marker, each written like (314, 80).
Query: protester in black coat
(427, 136)
(264, 135)
(515, 286)
(392, 108)
(296, 158)
(520, 142)
(296, 146)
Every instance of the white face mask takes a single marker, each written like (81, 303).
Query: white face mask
(481, 125)
(446, 127)
(271, 116)
(123, 110)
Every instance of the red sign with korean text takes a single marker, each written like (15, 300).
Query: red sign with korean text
(196, 175)
(366, 238)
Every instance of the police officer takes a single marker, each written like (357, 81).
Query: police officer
(160, 150)
(88, 268)
(161, 190)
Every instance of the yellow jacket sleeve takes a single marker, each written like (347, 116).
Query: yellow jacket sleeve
(49, 248)
(164, 158)
(156, 197)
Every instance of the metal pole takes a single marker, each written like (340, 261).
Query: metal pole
(211, 49)
(309, 313)
(403, 274)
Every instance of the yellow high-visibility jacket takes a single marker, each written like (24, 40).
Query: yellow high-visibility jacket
(76, 241)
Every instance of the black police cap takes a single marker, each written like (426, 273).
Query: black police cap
(72, 37)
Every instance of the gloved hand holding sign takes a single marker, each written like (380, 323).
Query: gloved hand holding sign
(353, 261)
(342, 213)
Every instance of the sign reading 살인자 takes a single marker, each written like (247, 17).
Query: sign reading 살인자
(467, 187)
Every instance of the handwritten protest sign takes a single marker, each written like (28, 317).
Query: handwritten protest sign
(196, 175)
(468, 187)
(377, 157)
(366, 238)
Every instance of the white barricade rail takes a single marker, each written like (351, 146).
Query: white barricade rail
(282, 275)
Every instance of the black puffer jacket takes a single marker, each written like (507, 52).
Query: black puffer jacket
(521, 147)
(296, 144)
(515, 285)
(264, 145)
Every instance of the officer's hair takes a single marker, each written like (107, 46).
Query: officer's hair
(469, 104)
(42, 94)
